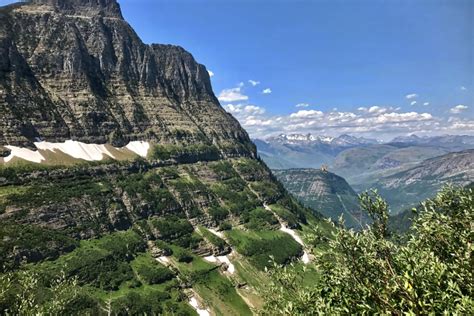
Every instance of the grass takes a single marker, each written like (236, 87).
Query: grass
(262, 246)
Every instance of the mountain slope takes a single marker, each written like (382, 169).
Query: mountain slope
(119, 167)
(324, 192)
(404, 189)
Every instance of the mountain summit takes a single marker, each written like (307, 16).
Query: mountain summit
(75, 70)
(105, 8)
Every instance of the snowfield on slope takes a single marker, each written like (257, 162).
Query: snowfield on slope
(75, 149)
(195, 304)
(222, 259)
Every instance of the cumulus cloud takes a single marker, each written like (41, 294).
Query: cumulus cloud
(211, 74)
(411, 96)
(267, 91)
(458, 109)
(254, 82)
(233, 94)
(463, 88)
(306, 114)
(368, 121)
(412, 102)
(238, 109)
(426, 103)
(302, 105)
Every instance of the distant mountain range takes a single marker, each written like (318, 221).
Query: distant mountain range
(324, 192)
(311, 151)
(305, 150)
(395, 167)
(404, 189)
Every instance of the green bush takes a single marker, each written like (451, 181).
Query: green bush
(47, 244)
(218, 213)
(262, 246)
(182, 255)
(367, 273)
(167, 250)
(172, 227)
(259, 219)
(213, 239)
(225, 226)
(154, 273)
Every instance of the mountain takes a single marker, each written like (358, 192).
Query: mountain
(454, 142)
(120, 169)
(407, 188)
(305, 150)
(324, 192)
(361, 165)
(76, 70)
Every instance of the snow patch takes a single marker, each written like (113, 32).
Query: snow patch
(215, 232)
(75, 149)
(195, 304)
(212, 259)
(230, 266)
(89, 152)
(163, 260)
(292, 233)
(139, 147)
(222, 259)
(23, 153)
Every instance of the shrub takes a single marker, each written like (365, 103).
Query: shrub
(172, 227)
(259, 219)
(218, 213)
(167, 251)
(213, 239)
(262, 246)
(182, 255)
(225, 226)
(154, 273)
(366, 272)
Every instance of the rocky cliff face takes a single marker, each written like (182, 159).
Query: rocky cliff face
(76, 70)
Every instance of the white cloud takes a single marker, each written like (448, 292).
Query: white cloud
(426, 103)
(267, 91)
(254, 82)
(458, 109)
(412, 102)
(232, 95)
(463, 88)
(372, 121)
(211, 74)
(306, 113)
(411, 96)
(302, 105)
(239, 109)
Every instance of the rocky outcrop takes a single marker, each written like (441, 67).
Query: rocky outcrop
(74, 69)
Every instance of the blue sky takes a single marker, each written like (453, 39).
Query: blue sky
(334, 56)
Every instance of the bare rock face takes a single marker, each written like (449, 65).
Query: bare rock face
(74, 69)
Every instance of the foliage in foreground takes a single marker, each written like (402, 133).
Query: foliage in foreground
(369, 273)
